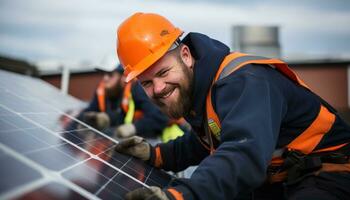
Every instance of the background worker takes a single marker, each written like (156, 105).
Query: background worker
(124, 106)
(256, 126)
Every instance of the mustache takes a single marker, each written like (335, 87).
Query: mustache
(164, 92)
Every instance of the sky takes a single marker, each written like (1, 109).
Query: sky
(82, 33)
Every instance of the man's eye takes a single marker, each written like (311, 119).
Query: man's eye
(146, 83)
(163, 73)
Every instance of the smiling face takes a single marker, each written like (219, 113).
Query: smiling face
(168, 82)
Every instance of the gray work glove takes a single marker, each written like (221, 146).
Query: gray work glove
(98, 120)
(152, 193)
(125, 131)
(135, 146)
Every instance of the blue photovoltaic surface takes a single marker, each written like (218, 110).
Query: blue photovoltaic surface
(41, 160)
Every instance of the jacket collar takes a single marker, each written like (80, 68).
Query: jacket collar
(208, 54)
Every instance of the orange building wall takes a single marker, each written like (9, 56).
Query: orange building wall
(331, 83)
(81, 86)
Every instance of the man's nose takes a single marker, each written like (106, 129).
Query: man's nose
(158, 86)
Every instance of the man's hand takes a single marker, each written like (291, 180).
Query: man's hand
(135, 146)
(98, 120)
(125, 131)
(154, 193)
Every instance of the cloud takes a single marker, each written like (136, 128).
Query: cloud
(69, 32)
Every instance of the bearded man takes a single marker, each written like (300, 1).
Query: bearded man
(257, 128)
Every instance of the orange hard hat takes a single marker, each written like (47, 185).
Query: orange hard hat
(142, 39)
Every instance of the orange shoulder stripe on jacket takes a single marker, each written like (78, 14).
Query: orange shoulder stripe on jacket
(101, 97)
(212, 116)
(280, 65)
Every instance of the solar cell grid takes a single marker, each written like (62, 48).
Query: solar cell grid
(57, 163)
(11, 167)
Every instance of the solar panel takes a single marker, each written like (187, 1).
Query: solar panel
(39, 159)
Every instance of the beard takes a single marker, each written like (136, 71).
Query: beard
(115, 91)
(182, 105)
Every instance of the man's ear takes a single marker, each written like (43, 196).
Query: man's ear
(186, 56)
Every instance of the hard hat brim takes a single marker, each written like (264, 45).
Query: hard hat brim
(152, 58)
